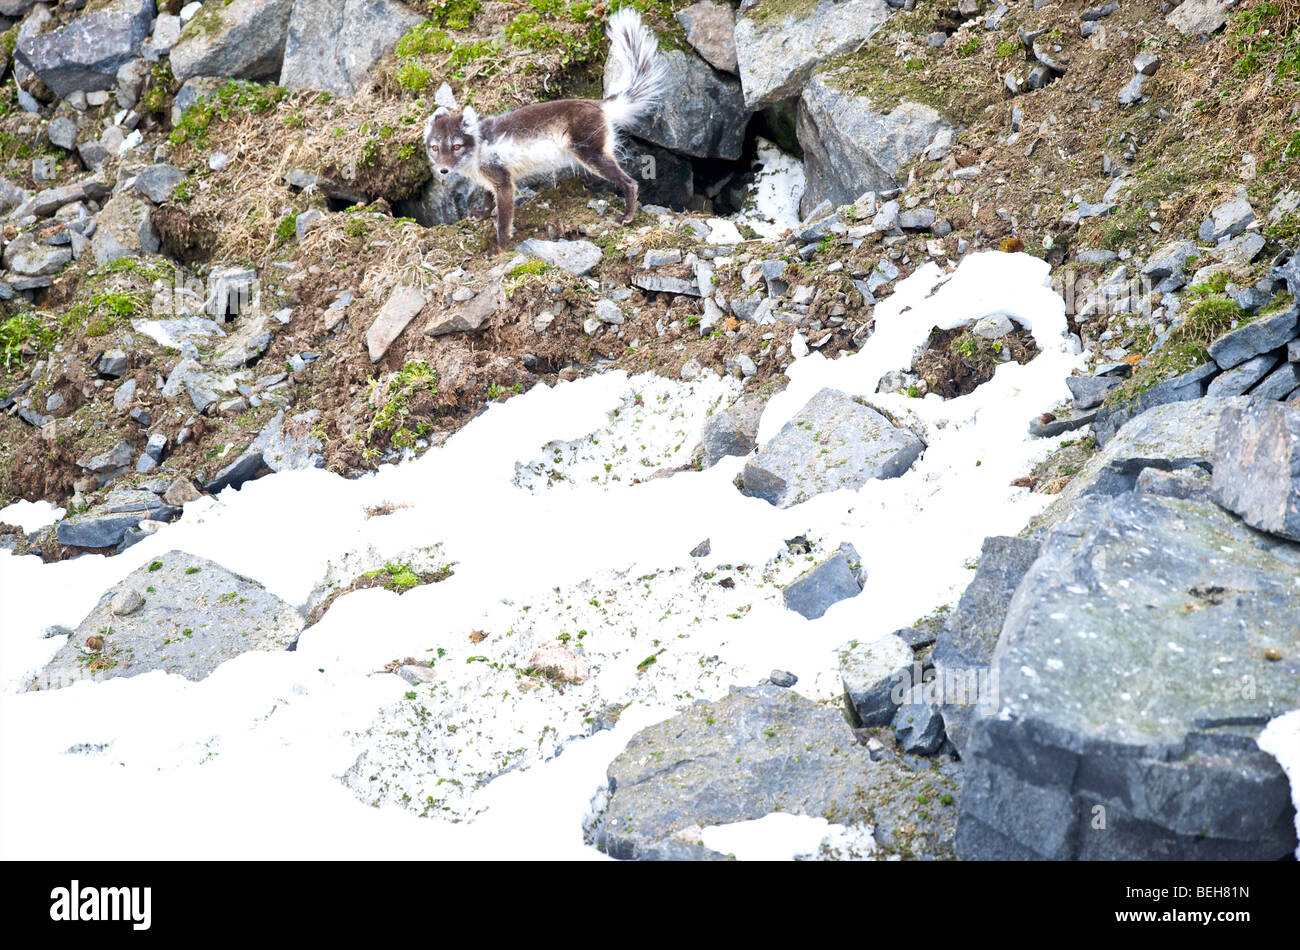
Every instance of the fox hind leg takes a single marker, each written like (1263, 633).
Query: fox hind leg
(607, 167)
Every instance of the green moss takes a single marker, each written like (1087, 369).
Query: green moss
(528, 269)
(397, 575)
(415, 376)
(453, 14)
(1186, 348)
(287, 228)
(232, 98)
(23, 329)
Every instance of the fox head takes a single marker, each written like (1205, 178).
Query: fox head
(451, 139)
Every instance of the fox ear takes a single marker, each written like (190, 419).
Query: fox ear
(469, 119)
(439, 112)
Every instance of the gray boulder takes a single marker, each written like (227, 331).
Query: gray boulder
(1172, 437)
(282, 445)
(1237, 380)
(833, 442)
(1090, 391)
(1182, 388)
(1278, 384)
(243, 39)
(87, 53)
(124, 229)
(918, 728)
(734, 431)
(817, 590)
(332, 44)
(1199, 17)
(701, 112)
(105, 525)
(1257, 466)
(777, 52)
(443, 200)
(963, 649)
(1261, 336)
(401, 307)
(850, 146)
(1123, 732)
(877, 676)
(1228, 219)
(157, 182)
(195, 616)
(761, 750)
(26, 255)
(711, 31)
(578, 258)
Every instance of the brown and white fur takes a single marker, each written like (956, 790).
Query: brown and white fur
(546, 137)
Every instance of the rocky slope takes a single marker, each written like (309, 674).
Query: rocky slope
(224, 257)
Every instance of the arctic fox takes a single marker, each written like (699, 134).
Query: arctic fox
(498, 150)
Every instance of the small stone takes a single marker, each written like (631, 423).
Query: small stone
(1146, 63)
(126, 602)
(782, 678)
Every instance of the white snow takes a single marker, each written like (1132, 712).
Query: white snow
(773, 204)
(280, 754)
(30, 515)
(782, 837)
(1281, 740)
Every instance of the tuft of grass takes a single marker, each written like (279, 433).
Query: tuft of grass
(23, 329)
(231, 98)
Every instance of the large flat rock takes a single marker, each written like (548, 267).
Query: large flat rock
(1137, 664)
(242, 39)
(762, 750)
(332, 44)
(701, 111)
(1257, 467)
(833, 442)
(851, 146)
(776, 52)
(195, 616)
(87, 53)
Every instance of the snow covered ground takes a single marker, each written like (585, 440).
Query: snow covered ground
(544, 508)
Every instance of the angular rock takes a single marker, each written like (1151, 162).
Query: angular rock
(1257, 466)
(918, 728)
(877, 677)
(197, 616)
(282, 445)
(1189, 385)
(243, 39)
(1199, 17)
(1278, 384)
(105, 525)
(1228, 219)
(332, 44)
(734, 431)
(662, 284)
(831, 581)
(403, 304)
(851, 147)
(157, 182)
(124, 229)
(701, 112)
(1114, 737)
(87, 53)
(1171, 437)
(777, 53)
(833, 442)
(1240, 378)
(573, 257)
(1168, 259)
(62, 132)
(1184, 483)
(26, 255)
(761, 750)
(1090, 391)
(711, 31)
(469, 314)
(963, 649)
(1261, 336)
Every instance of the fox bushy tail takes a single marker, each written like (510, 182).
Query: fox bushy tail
(639, 76)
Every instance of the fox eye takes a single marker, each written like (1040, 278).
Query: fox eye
(458, 147)
(434, 147)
